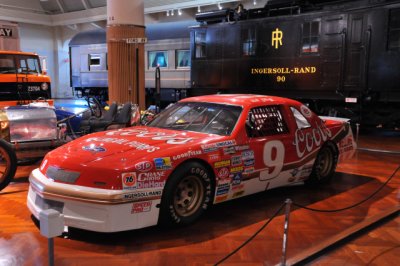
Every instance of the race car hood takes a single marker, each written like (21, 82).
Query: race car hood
(119, 148)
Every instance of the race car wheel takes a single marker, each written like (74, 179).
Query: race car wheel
(8, 163)
(324, 165)
(186, 195)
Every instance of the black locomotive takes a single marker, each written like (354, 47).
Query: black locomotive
(340, 57)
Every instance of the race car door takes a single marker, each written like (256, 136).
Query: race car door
(269, 137)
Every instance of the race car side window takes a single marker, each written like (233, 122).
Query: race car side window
(301, 121)
(265, 121)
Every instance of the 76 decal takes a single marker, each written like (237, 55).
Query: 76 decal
(273, 157)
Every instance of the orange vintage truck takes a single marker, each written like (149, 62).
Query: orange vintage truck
(22, 78)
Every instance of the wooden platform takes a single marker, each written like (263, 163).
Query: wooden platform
(228, 225)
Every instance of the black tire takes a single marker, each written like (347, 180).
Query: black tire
(324, 165)
(8, 163)
(187, 195)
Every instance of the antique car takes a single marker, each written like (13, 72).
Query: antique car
(29, 131)
(199, 151)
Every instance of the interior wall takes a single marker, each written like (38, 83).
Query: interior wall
(39, 39)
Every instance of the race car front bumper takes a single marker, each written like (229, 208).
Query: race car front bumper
(93, 209)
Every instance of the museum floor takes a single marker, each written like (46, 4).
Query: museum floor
(314, 238)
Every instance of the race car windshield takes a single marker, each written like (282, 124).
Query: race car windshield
(199, 117)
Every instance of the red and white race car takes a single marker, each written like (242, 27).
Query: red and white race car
(199, 151)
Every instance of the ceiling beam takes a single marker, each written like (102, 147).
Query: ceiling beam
(89, 15)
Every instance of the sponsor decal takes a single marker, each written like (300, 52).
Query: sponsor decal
(222, 163)
(129, 180)
(134, 144)
(236, 160)
(223, 189)
(163, 163)
(247, 155)
(93, 148)
(225, 143)
(221, 198)
(248, 170)
(140, 133)
(142, 194)
(139, 207)
(305, 111)
(186, 155)
(209, 148)
(214, 157)
(242, 147)
(238, 187)
(249, 162)
(236, 179)
(236, 169)
(238, 194)
(150, 180)
(229, 150)
(223, 173)
(144, 166)
(306, 141)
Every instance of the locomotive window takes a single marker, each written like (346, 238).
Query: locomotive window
(158, 58)
(265, 121)
(301, 121)
(394, 30)
(311, 34)
(182, 58)
(249, 41)
(200, 44)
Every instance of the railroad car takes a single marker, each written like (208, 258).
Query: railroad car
(340, 57)
(167, 47)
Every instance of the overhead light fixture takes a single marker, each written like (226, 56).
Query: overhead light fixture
(198, 9)
(219, 6)
(167, 13)
(172, 12)
(179, 12)
(255, 2)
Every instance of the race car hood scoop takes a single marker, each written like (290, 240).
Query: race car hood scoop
(134, 142)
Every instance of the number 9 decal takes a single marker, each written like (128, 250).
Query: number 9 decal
(273, 156)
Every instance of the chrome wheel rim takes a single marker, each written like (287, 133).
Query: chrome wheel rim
(188, 196)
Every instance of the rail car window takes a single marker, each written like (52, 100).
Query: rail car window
(311, 35)
(182, 58)
(94, 59)
(249, 41)
(394, 30)
(265, 121)
(200, 44)
(7, 64)
(301, 121)
(158, 58)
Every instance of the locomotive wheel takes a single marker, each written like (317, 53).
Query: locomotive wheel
(324, 165)
(94, 106)
(8, 163)
(186, 195)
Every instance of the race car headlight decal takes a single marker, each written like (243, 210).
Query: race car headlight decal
(58, 174)
(44, 86)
